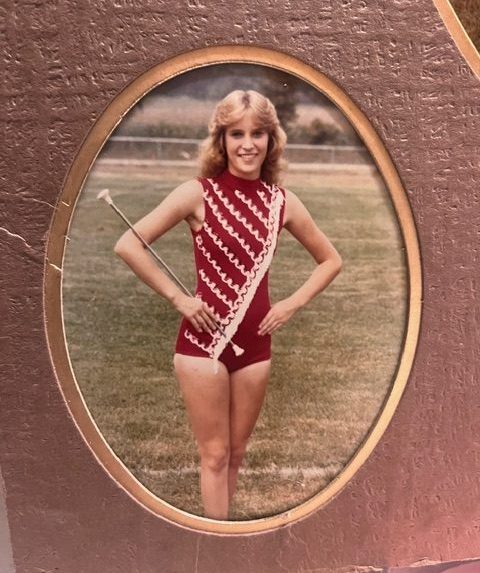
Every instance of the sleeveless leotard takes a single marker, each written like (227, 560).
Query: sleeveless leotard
(233, 251)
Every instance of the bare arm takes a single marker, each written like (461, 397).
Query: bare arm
(301, 225)
(183, 203)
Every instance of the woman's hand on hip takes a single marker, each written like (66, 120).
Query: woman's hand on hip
(197, 312)
(277, 316)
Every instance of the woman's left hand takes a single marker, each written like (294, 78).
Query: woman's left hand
(277, 316)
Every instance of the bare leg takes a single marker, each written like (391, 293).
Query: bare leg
(207, 399)
(247, 392)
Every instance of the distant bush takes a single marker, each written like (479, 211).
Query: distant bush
(160, 129)
(323, 133)
(319, 132)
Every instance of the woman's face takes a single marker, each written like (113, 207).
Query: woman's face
(246, 144)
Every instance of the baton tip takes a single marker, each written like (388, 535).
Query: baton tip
(105, 195)
(238, 351)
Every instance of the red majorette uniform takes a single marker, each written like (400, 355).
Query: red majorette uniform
(233, 251)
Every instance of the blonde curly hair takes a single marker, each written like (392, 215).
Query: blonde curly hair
(212, 156)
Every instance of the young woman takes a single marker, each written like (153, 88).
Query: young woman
(235, 211)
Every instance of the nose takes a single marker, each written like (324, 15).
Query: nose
(247, 142)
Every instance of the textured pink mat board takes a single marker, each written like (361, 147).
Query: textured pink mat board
(412, 492)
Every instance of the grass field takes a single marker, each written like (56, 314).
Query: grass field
(333, 363)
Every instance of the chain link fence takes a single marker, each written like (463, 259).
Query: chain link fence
(129, 148)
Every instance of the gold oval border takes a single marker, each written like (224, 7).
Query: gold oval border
(76, 177)
(459, 34)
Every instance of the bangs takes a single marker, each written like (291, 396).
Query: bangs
(228, 111)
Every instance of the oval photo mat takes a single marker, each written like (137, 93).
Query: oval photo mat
(461, 18)
(333, 385)
(68, 502)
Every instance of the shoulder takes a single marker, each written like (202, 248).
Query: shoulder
(188, 193)
(289, 195)
(183, 200)
(192, 186)
(291, 200)
(295, 210)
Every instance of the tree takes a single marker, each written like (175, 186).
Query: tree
(282, 90)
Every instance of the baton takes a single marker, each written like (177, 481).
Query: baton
(105, 195)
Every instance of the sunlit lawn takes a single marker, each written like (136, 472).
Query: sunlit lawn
(332, 364)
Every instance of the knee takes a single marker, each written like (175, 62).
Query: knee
(215, 457)
(237, 454)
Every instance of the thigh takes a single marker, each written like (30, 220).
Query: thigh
(247, 386)
(206, 396)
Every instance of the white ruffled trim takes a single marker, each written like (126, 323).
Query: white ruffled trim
(194, 340)
(262, 261)
(226, 225)
(259, 270)
(265, 199)
(206, 253)
(253, 208)
(218, 269)
(224, 248)
(216, 291)
(237, 214)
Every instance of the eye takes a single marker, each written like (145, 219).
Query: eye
(235, 133)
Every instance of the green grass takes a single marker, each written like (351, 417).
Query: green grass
(333, 363)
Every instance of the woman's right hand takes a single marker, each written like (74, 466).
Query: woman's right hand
(197, 312)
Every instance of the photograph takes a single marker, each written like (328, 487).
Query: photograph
(235, 291)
